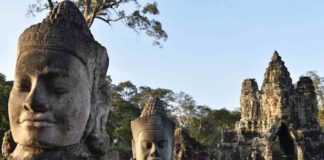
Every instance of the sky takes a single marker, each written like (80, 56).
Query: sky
(213, 45)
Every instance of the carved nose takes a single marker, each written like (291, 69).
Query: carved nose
(154, 152)
(35, 101)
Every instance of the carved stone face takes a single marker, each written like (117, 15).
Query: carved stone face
(50, 103)
(153, 145)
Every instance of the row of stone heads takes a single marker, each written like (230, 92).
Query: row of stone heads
(58, 105)
(53, 108)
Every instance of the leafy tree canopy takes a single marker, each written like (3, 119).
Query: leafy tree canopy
(5, 88)
(130, 12)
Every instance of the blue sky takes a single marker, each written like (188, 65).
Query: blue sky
(213, 45)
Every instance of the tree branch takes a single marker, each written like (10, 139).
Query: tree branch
(117, 19)
(50, 3)
(105, 20)
(94, 15)
(105, 6)
(79, 3)
(87, 8)
(111, 20)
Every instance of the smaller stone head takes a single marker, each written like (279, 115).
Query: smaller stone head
(153, 133)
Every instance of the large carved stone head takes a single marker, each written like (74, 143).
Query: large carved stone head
(60, 97)
(153, 133)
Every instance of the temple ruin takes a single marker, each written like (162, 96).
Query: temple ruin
(277, 122)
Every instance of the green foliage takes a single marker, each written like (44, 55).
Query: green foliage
(119, 118)
(224, 118)
(5, 88)
(151, 8)
(206, 125)
(130, 12)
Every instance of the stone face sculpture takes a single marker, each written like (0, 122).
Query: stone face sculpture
(279, 116)
(153, 133)
(59, 102)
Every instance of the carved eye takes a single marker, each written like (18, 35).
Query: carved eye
(161, 144)
(55, 84)
(147, 145)
(23, 85)
(59, 89)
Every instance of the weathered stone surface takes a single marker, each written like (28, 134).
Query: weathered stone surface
(308, 110)
(58, 106)
(276, 89)
(279, 117)
(187, 147)
(250, 100)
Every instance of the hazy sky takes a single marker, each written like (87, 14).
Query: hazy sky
(213, 45)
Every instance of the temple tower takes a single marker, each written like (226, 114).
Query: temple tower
(249, 101)
(308, 111)
(278, 121)
(276, 91)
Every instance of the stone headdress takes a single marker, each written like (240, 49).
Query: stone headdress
(153, 117)
(65, 29)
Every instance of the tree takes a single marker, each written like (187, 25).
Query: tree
(206, 124)
(139, 18)
(317, 82)
(5, 88)
(184, 107)
(145, 92)
(123, 110)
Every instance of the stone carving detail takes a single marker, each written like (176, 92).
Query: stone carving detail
(153, 133)
(250, 100)
(279, 116)
(187, 147)
(58, 106)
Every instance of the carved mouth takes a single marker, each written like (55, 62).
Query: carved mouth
(39, 120)
(37, 123)
(155, 158)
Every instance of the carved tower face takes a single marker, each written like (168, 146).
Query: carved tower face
(153, 144)
(153, 133)
(50, 101)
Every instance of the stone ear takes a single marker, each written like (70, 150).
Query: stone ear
(8, 144)
(96, 136)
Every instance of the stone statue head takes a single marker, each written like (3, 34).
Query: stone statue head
(60, 97)
(153, 133)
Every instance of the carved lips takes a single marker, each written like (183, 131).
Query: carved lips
(37, 120)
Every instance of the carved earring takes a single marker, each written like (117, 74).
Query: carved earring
(8, 144)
